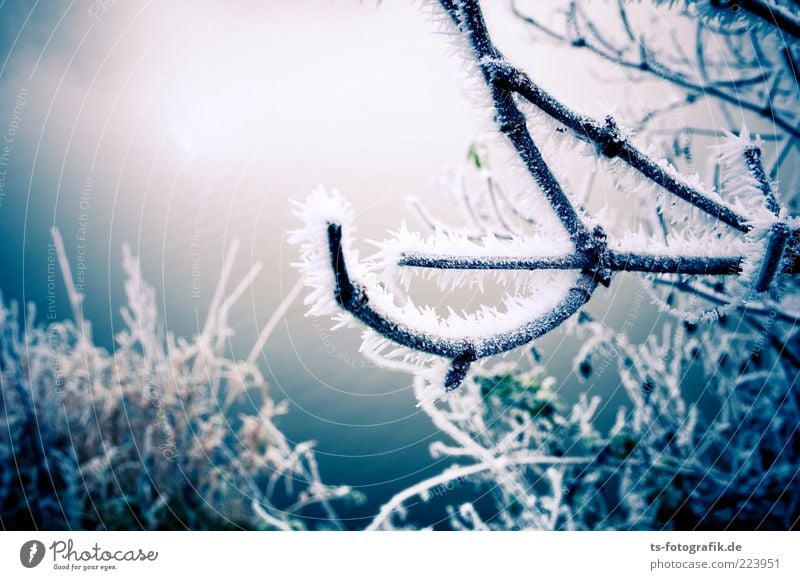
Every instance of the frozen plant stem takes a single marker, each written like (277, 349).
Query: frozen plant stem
(617, 262)
(463, 351)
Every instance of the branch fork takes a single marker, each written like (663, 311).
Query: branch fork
(592, 258)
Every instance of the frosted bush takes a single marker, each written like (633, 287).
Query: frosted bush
(161, 433)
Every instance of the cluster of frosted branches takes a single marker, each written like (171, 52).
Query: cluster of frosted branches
(719, 453)
(744, 231)
(718, 253)
(161, 433)
(506, 433)
(536, 462)
(741, 66)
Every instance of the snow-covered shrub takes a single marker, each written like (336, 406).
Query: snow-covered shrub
(717, 253)
(161, 433)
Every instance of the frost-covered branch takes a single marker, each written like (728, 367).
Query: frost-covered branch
(510, 120)
(617, 262)
(770, 12)
(760, 58)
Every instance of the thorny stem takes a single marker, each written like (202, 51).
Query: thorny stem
(617, 262)
(752, 157)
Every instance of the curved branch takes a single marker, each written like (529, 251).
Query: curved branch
(463, 350)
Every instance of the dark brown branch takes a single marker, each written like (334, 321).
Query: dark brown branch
(610, 143)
